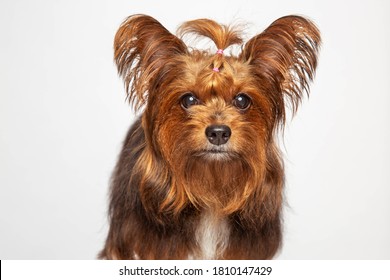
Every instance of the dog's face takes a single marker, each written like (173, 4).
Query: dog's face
(211, 118)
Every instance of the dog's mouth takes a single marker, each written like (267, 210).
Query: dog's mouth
(216, 153)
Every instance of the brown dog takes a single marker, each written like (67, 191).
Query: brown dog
(200, 174)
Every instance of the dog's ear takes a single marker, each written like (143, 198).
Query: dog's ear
(284, 58)
(144, 53)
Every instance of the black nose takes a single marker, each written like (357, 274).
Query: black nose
(218, 134)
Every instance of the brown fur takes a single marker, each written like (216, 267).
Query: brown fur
(164, 179)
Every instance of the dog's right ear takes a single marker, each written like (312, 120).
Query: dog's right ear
(144, 53)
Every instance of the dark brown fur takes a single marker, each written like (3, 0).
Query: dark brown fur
(163, 181)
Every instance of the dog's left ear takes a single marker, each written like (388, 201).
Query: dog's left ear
(284, 59)
(144, 53)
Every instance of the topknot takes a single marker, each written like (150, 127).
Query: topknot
(223, 36)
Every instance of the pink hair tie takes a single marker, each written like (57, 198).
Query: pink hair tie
(216, 69)
(220, 51)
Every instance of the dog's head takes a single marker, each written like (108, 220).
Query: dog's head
(211, 117)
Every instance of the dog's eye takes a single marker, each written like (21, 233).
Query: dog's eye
(189, 100)
(242, 101)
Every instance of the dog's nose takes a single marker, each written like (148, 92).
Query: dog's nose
(218, 134)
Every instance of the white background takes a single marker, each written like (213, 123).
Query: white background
(63, 117)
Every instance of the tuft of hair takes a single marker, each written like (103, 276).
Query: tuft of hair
(222, 35)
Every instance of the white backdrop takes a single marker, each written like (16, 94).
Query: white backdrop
(63, 117)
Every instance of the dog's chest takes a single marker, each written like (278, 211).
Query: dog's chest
(212, 236)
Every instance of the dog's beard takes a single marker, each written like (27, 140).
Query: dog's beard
(217, 180)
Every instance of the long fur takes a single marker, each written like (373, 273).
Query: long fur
(170, 199)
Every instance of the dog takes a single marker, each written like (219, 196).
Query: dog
(200, 175)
